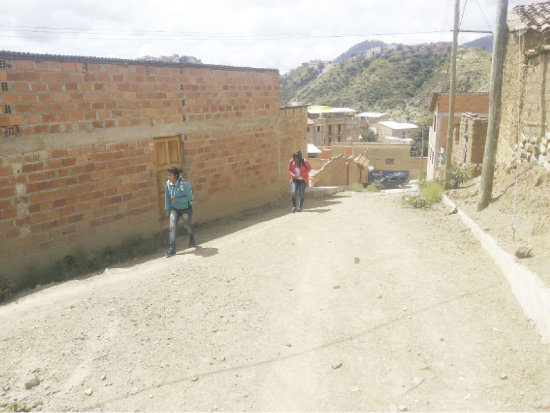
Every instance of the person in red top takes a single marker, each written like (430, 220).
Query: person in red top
(298, 168)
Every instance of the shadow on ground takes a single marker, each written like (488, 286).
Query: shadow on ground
(206, 232)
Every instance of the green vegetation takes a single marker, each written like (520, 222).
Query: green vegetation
(368, 136)
(429, 193)
(357, 187)
(81, 262)
(14, 407)
(456, 176)
(398, 82)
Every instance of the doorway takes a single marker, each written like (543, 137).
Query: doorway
(167, 153)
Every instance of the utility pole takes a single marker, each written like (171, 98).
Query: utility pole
(491, 141)
(452, 95)
(421, 146)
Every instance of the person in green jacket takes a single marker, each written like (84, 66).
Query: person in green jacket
(177, 202)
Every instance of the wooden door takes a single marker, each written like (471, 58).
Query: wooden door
(167, 154)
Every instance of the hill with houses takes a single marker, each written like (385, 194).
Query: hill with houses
(396, 79)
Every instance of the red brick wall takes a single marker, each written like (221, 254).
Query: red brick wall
(55, 197)
(54, 96)
(465, 102)
(293, 124)
(79, 169)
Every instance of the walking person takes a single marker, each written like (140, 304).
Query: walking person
(298, 168)
(177, 202)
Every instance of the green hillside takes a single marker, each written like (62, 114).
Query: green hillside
(398, 82)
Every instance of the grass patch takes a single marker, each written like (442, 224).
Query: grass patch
(372, 188)
(14, 407)
(357, 187)
(80, 262)
(429, 193)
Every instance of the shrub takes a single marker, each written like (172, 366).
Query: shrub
(372, 188)
(357, 187)
(429, 193)
(456, 176)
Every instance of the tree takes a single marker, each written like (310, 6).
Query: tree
(368, 135)
(421, 134)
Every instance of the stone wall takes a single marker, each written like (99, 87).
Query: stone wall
(525, 100)
(79, 148)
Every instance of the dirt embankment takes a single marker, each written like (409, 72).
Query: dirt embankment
(518, 217)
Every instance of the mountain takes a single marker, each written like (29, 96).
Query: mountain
(397, 79)
(359, 48)
(485, 43)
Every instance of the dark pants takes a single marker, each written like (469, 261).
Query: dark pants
(175, 215)
(298, 187)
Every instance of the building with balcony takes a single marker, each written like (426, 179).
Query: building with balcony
(328, 125)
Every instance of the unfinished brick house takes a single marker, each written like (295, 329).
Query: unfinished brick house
(469, 142)
(525, 90)
(476, 103)
(85, 143)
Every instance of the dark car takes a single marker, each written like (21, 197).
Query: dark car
(392, 181)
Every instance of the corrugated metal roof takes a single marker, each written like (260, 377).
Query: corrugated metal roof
(397, 125)
(371, 114)
(534, 16)
(332, 110)
(5, 54)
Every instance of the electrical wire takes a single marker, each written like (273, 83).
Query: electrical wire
(463, 11)
(483, 13)
(45, 32)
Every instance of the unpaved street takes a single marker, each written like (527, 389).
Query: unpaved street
(354, 304)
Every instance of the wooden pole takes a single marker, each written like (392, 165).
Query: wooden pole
(421, 146)
(452, 95)
(491, 140)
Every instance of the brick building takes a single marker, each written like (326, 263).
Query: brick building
(85, 142)
(392, 129)
(469, 143)
(331, 125)
(477, 103)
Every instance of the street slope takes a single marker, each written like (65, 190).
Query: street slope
(354, 304)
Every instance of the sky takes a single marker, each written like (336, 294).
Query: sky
(276, 34)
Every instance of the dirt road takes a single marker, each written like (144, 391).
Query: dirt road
(354, 304)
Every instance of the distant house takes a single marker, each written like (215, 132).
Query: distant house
(332, 125)
(474, 103)
(368, 121)
(372, 117)
(526, 98)
(389, 130)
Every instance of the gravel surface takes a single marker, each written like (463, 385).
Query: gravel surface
(356, 303)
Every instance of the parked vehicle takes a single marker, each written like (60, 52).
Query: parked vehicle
(394, 180)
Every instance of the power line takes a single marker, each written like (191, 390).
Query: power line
(483, 13)
(45, 32)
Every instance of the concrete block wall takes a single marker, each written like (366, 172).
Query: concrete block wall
(77, 163)
(377, 153)
(339, 171)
